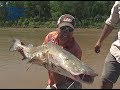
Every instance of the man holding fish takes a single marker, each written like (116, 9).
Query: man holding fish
(63, 36)
(60, 55)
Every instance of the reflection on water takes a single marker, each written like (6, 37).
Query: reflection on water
(12, 68)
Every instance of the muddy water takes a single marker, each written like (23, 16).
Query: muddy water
(13, 70)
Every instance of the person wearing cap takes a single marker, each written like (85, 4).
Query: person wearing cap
(111, 69)
(63, 36)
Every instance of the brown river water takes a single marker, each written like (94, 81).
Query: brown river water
(13, 73)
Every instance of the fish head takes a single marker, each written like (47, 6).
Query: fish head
(15, 45)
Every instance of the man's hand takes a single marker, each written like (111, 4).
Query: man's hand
(51, 87)
(97, 47)
(21, 52)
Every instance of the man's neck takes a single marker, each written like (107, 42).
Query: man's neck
(67, 44)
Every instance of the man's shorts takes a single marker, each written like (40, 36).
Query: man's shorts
(111, 70)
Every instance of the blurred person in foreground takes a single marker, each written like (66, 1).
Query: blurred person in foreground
(63, 36)
(111, 69)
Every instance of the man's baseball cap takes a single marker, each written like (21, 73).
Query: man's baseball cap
(66, 20)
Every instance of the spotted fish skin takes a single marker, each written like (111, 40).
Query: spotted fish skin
(56, 59)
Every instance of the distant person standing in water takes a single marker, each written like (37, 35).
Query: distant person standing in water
(111, 70)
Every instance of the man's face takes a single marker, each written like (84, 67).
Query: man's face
(64, 35)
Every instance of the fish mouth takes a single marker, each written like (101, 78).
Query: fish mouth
(11, 48)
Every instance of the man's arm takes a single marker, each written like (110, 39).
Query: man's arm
(51, 81)
(21, 52)
(111, 22)
(105, 32)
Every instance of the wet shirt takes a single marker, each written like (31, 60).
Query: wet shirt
(71, 46)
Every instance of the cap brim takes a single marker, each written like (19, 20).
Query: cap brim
(65, 24)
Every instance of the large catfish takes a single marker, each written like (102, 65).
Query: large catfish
(56, 59)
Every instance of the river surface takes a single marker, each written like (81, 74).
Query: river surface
(13, 73)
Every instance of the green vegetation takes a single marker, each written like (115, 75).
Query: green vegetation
(45, 13)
